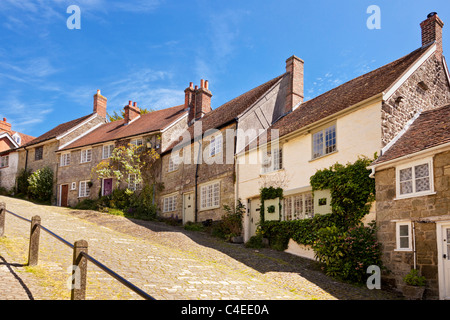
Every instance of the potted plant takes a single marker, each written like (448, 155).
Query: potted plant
(415, 285)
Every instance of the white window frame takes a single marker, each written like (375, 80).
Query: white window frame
(210, 196)
(137, 142)
(399, 224)
(73, 186)
(272, 160)
(86, 156)
(290, 203)
(132, 185)
(173, 163)
(412, 165)
(169, 203)
(4, 161)
(84, 190)
(64, 159)
(323, 150)
(215, 145)
(109, 149)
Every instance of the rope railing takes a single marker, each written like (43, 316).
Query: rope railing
(80, 257)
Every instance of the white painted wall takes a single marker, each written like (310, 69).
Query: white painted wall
(8, 174)
(358, 134)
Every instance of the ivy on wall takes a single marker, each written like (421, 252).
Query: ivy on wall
(339, 239)
(268, 193)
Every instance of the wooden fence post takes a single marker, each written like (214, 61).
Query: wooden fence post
(2, 218)
(33, 253)
(80, 269)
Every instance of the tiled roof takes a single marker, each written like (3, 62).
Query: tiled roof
(430, 129)
(230, 110)
(56, 131)
(25, 137)
(149, 122)
(346, 95)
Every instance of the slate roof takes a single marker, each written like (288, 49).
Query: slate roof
(228, 112)
(430, 129)
(149, 122)
(345, 95)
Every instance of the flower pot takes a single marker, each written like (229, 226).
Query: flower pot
(413, 292)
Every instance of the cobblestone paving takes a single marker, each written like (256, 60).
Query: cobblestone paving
(167, 262)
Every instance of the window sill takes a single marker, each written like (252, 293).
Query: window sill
(323, 156)
(270, 172)
(403, 250)
(209, 208)
(415, 195)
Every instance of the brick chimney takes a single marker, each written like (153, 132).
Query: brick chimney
(294, 92)
(432, 32)
(100, 104)
(5, 126)
(198, 100)
(131, 112)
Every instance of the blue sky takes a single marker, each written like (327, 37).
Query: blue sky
(149, 51)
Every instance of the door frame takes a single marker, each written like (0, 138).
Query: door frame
(441, 271)
(193, 203)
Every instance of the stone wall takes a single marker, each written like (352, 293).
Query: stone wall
(417, 209)
(96, 120)
(76, 171)
(426, 88)
(183, 180)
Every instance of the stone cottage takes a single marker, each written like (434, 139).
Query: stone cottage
(198, 170)
(41, 151)
(76, 178)
(412, 179)
(357, 118)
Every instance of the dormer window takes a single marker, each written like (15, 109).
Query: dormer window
(17, 138)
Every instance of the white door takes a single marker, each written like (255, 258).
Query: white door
(188, 207)
(444, 261)
(254, 215)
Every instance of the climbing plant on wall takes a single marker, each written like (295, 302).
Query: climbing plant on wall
(339, 239)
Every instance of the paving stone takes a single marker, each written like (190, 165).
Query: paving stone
(165, 261)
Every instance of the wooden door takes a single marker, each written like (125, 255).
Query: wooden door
(64, 195)
(107, 187)
(188, 207)
(255, 215)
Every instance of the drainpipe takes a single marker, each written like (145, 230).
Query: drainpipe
(26, 158)
(196, 180)
(414, 242)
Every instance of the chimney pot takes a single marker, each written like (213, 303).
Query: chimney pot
(4, 119)
(206, 85)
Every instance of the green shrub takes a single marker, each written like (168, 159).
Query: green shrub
(141, 204)
(41, 184)
(231, 223)
(22, 182)
(413, 278)
(255, 242)
(346, 254)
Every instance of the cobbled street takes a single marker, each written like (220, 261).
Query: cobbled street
(167, 262)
